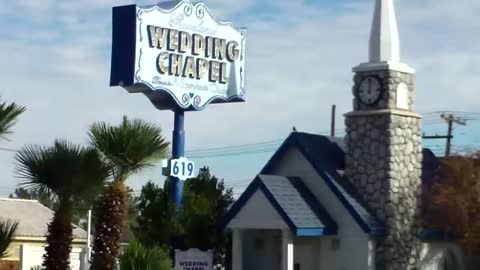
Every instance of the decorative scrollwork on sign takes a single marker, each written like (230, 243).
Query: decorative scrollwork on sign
(185, 99)
(188, 9)
(242, 83)
(140, 19)
(197, 100)
(200, 11)
(137, 74)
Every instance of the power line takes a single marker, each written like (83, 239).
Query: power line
(455, 112)
(8, 149)
(236, 146)
(271, 145)
(239, 153)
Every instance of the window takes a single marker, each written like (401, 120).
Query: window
(402, 97)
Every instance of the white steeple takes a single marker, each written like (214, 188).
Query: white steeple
(384, 45)
(384, 40)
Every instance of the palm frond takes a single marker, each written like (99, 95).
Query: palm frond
(130, 146)
(8, 229)
(138, 257)
(8, 117)
(65, 169)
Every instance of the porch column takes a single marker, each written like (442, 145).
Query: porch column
(237, 249)
(287, 250)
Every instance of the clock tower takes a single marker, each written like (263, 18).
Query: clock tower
(384, 142)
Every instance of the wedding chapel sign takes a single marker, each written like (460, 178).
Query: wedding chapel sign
(193, 259)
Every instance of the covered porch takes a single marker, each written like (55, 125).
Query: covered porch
(278, 224)
(273, 250)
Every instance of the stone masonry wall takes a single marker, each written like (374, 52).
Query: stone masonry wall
(383, 162)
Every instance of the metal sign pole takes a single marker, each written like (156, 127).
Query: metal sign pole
(185, 71)
(178, 151)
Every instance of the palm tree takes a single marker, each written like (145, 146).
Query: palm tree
(70, 172)
(7, 232)
(8, 117)
(127, 148)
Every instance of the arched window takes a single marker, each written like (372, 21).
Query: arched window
(402, 97)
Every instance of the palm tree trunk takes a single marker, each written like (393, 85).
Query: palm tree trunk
(111, 210)
(59, 239)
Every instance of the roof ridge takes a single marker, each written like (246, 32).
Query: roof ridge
(17, 200)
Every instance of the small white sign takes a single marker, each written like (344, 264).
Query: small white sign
(193, 259)
(182, 168)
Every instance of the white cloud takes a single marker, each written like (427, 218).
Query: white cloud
(296, 70)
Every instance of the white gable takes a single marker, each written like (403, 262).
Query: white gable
(258, 213)
(293, 163)
(354, 243)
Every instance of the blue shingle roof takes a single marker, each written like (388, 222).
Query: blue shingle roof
(289, 199)
(327, 157)
(294, 203)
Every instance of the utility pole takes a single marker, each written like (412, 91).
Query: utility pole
(332, 128)
(450, 118)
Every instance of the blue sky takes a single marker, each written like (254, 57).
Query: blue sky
(55, 59)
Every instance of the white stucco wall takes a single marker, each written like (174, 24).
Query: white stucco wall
(262, 249)
(306, 252)
(258, 213)
(353, 250)
(31, 255)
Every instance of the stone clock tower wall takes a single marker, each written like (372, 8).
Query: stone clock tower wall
(384, 145)
(383, 162)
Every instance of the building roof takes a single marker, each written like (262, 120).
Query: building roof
(296, 205)
(33, 218)
(327, 157)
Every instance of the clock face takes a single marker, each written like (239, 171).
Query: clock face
(369, 90)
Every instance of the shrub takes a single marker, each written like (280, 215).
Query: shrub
(138, 257)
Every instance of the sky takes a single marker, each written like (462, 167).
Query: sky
(55, 60)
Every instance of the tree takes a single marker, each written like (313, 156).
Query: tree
(206, 202)
(132, 214)
(7, 232)
(138, 257)
(156, 223)
(127, 148)
(70, 172)
(452, 202)
(9, 114)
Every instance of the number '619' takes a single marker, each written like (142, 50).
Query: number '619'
(182, 168)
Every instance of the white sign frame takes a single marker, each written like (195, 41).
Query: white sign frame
(183, 168)
(194, 255)
(185, 91)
